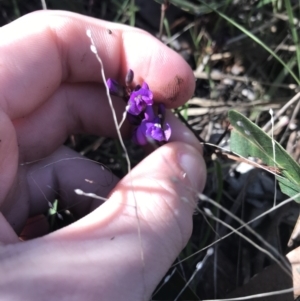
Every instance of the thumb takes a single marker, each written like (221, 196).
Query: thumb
(104, 248)
(158, 197)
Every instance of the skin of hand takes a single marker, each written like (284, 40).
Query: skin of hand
(293, 258)
(51, 87)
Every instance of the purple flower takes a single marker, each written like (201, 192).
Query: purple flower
(115, 88)
(140, 99)
(149, 124)
(152, 127)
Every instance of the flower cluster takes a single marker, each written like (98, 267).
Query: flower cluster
(141, 112)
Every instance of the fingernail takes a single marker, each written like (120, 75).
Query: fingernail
(192, 164)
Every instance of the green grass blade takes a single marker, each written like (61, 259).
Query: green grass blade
(280, 77)
(293, 31)
(255, 39)
(132, 11)
(262, 3)
(121, 8)
(16, 8)
(191, 7)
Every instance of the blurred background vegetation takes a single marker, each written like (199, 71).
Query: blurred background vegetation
(245, 55)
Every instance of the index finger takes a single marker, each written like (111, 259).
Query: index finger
(41, 50)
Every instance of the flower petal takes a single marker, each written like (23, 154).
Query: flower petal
(115, 88)
(167, 131)
(139, 135)
(139, 99)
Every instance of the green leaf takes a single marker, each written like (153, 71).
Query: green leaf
(247, 139)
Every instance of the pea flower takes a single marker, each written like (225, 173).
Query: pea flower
(115, 88)
(152, 127)
(149, 123)
(140, 99)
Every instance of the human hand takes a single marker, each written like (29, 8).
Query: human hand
(50, 88)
